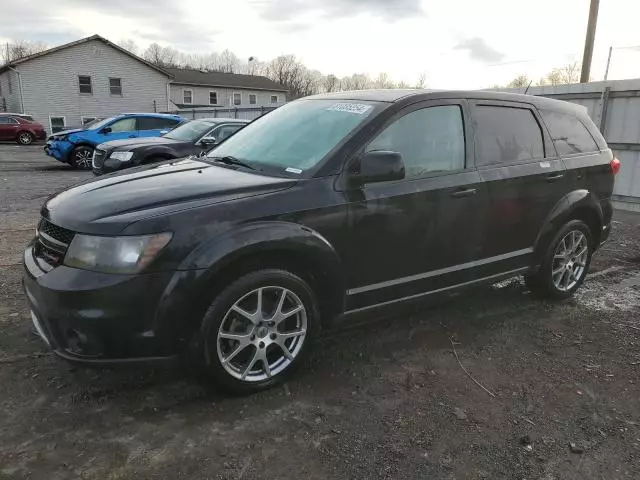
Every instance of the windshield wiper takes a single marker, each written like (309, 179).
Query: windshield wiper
(229, 160)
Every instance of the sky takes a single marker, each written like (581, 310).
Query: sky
(455, 43)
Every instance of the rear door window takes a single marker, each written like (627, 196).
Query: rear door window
(156, 123)
(568, 133)
(506, 135)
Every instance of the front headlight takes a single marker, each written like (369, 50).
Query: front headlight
(115, 254)
(122, 156)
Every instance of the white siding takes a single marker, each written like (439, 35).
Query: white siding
(201, 96)
(12, 100)
(50, 84)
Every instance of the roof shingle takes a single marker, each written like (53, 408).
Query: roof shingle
(185, 76)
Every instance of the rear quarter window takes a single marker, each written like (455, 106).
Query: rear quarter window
(569, 134)
(506, 135)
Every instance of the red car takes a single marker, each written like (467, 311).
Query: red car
(21, 130)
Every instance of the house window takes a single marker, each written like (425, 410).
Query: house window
(274, 98)
(237, 98)
(213, 98)
(252, 99)
(115, 86)
(84, 84)
(187, 96)
(56, 124)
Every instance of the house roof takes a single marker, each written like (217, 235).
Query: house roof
(79, 42)
(184, 76)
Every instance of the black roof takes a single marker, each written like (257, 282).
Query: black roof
(186, 76)
(396, 95)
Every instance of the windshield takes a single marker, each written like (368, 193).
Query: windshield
(296, 136)
(190, 131)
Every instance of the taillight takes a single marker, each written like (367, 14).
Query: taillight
(615, 165)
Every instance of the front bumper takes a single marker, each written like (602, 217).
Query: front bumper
(100, 319)
(58, 149)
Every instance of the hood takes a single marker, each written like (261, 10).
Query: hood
(110, 203)
(129, 143)
(67, 132)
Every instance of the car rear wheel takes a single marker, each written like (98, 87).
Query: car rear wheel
(81, 157)
(565, 264)
(258, 330)
(25, 138)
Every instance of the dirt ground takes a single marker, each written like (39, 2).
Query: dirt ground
(384, 398)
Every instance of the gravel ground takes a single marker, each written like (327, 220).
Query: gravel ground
(384, 398)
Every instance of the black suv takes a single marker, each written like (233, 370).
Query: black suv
(329, 205)
(191, 138)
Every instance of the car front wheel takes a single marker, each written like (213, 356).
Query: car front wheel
(258, 330)
(81, 157)
(566, 262)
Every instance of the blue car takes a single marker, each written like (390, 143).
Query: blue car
(75, 147)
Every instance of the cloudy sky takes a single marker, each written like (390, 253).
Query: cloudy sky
(456, 43)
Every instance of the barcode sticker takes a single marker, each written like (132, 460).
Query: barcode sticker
(357, 108)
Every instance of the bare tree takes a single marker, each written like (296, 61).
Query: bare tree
(331, 83)
(129, 45)
(519, 82)
(229, 63)
(422, 79)
(153, 54)
(12, 51)
(383, 81)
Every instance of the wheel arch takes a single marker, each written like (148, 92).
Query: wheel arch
(268, 244)
(578, 204)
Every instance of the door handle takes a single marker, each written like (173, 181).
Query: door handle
(554, 176)
(132, 136)
(464, 193)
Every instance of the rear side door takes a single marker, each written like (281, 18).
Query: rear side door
(154, 126)
(421, 233)
(524, 177)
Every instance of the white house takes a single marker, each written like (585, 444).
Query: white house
(196, 89)
(79, 81)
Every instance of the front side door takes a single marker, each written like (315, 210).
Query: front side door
(421, 233)
(525, 179)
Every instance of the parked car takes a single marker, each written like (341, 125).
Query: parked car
(21, 130)
(190, 138)
(330, 205)
(75, 147)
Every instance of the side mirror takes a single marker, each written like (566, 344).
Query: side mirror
(208, 141)
(377, 166)
(106, 130)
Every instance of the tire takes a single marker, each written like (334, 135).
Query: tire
(81, 157)
(243, 350)
(565, 263)
(25, 138)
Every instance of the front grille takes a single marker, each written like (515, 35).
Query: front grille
(98, 159)
(52, 243)
(57, 233)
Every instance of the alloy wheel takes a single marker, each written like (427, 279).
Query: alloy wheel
(25, 138)
(570, 260)
(262, 334)
(83, 158)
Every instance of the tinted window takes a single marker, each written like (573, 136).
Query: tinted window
(506, 135)
(568, 133)
(430, 140)
(154, 123)
(124, 125)
(226, 131)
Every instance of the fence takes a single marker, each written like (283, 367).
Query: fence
(614, 106)
(245, 113)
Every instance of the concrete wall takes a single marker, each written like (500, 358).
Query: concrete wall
(51, 88)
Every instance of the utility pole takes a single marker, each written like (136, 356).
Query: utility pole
(588, 43)
(606, 72)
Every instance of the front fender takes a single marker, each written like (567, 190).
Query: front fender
(563, 211)
(193, 281)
